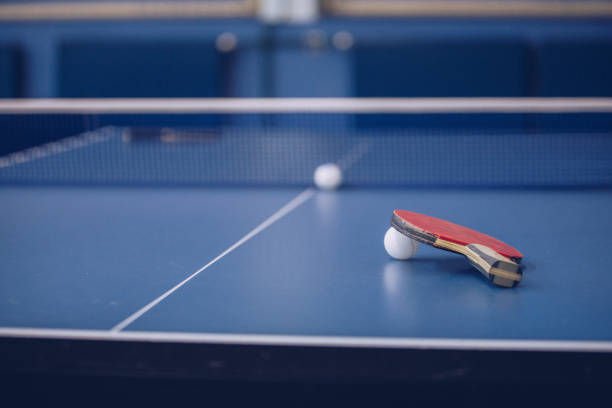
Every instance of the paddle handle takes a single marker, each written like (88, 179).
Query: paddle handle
(497, 268)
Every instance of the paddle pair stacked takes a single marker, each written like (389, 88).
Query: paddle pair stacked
(497, 261)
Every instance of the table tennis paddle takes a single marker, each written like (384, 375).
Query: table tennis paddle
(497, 261)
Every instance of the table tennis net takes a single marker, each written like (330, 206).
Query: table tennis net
(284, 150)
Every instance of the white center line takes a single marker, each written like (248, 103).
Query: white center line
(352, 156)
(346, 161)
(286, 209)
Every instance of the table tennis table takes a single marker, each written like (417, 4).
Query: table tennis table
(142, 249)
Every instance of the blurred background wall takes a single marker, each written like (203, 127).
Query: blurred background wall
(303, 48)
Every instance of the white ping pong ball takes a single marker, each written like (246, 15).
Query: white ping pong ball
(399, 246)
(328, 176)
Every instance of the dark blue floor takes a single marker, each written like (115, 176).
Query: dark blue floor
(90, 257)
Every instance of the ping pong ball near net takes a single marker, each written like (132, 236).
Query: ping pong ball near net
(328, 176)
(399, 246)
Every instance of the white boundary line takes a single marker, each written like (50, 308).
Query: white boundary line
(307, 105)
(286, 209)
(311, 341)
(57, 147)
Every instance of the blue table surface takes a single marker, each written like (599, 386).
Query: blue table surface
(89, 257)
